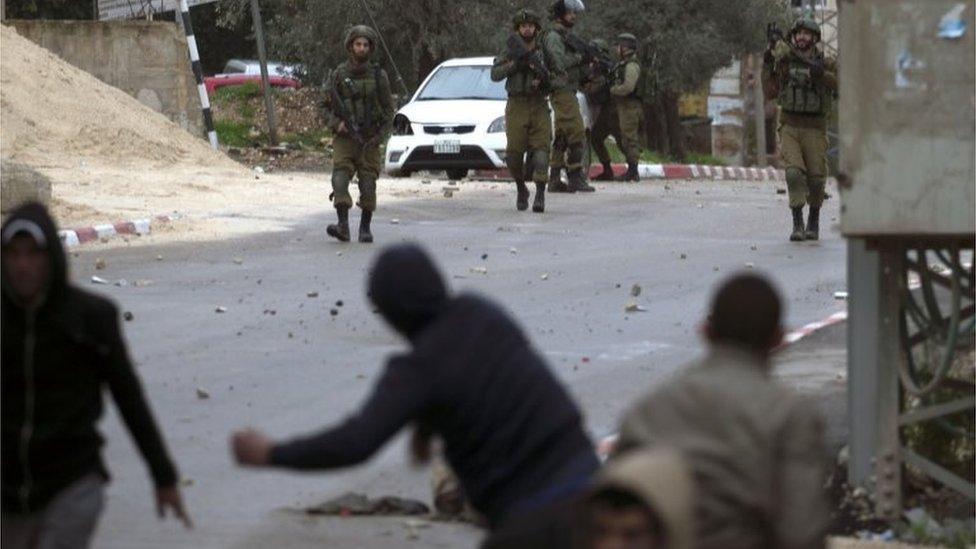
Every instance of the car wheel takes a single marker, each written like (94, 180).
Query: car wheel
(457, 173)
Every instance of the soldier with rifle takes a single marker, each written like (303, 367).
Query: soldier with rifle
(362, 109)
(566, 55)
(803, 81)
(603, 110)
(528, 128)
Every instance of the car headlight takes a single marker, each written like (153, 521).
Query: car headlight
(498, 125)
(401, 125)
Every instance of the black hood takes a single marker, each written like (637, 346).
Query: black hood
(407, 288)
(36, 215)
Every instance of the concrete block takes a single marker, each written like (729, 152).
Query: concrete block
(19, 184)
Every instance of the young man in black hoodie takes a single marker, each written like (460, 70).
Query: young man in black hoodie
(60, 347)
(510, 431)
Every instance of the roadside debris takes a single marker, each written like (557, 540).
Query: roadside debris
(750, 265)
(220, 309)
(840, 295)
(634, 308)
(353, 503)
(780, 190)
(448, 193)
(479, 270)
(202, 395)
(159, 257)
(544, 276)
(635, 290)
(128, 316)
(683, 256)
(99, 280)
(512, 251)
(100, 264)
(339, 303)
(394, 221)
(312, 294)
(142, 283)
(238, 260)
(121, 282)
(333, 312)
(753, 247)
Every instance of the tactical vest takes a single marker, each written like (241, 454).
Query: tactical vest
(519, 83)
(574, 72)
(360, 92)
(620, 72)
(799, 93)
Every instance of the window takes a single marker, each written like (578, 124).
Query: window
(462, 82)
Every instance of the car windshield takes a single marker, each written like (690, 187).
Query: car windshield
(462, 82)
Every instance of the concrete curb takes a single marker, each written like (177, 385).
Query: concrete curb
(672, 171)
(83, 235)
(606, 445)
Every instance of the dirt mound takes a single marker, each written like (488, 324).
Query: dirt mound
(56, 115)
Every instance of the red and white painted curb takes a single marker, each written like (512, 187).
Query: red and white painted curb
(94, 233)
(672, 171)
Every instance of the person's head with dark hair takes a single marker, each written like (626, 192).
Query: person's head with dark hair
(746, 312)
(407, 288)
(641, 500)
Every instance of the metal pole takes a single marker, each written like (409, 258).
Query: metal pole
(263, 58)
(887, 470)
(191, 44)
(759, 107)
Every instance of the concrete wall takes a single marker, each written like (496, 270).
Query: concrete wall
(727, 111)
(146, 59)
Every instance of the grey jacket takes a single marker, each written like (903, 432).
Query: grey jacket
(755, 449)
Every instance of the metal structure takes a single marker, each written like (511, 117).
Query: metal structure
(907, 186)
(109, 10)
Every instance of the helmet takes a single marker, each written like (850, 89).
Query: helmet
(560, 8)
(601, 45)
(628, 40)
(806, 23)
(361, 31)
(526, 16)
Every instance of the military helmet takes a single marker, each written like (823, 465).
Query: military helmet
(560, 8)
(361, 31)
(601, 45)
(627, 39)
(807, 23)
(526, 16)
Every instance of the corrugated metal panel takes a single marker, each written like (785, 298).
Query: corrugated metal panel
(138, 9)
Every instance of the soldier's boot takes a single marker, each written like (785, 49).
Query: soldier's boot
(797, 235)
(522, 196)
(813, 224)
(556, 184)
(539, 204)
(632, 173)
(340, 230)
(606, 174)
(577, 183)
(365, 235)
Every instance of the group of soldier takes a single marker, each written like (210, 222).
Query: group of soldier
(543, 69)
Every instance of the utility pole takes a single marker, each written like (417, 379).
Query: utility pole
(263, 58)
(759, 108)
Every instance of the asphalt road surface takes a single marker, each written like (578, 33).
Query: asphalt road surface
(277, 360)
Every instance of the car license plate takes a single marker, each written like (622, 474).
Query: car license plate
(447, 146)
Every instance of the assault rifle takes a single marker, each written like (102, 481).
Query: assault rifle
(353, 129)
(531, 58)
(592, 56)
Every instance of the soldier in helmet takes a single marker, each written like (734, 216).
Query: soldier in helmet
(625, 92)
(803, 81)
(603, 111)
(566, 65)
(362, 108)
(528, 127)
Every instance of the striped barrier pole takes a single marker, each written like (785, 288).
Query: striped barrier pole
(191, 43)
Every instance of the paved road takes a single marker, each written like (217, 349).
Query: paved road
(277, 360)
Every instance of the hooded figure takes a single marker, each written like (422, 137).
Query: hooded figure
(60, 347)
(510, 431)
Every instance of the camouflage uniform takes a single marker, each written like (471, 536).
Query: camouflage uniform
(604, 113)
(629, 107)
(528, 127)
(803, 83)
(565, 64)
(363, 89)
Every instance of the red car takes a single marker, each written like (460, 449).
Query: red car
(220, 80)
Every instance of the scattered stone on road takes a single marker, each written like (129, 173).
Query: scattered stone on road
(202, 395)
(353, 503)
(220, 309)
(128, 316)
(635, 290)
(100, 264)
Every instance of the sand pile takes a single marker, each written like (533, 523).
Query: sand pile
(53, 114)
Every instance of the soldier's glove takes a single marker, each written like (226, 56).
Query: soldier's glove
(781, 50)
